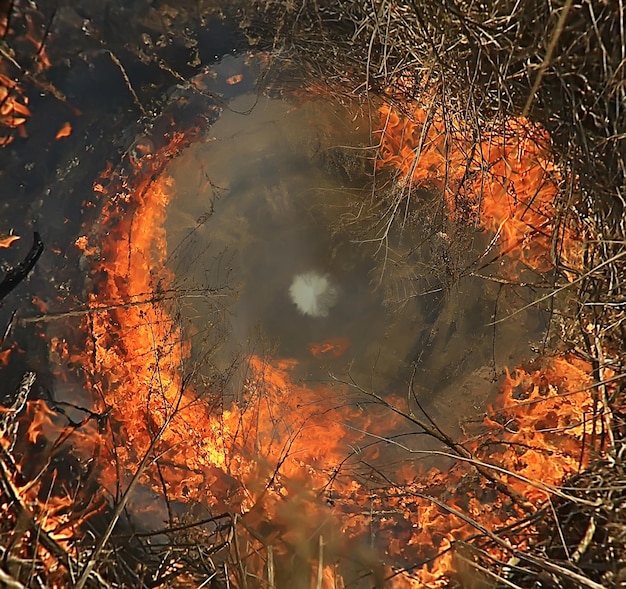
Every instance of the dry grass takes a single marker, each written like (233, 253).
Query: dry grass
(564, 65)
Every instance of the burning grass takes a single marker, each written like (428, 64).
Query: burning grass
(535, 496)
(505, 181)
(22, 32)
(275, 456)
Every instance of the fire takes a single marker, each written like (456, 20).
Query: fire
(41, 420)
(14, 111)
(13, 107)
(276, 457)
(248, 457)
(39, 519)
(505, 180)
(232, 80)
(4, 356)
(137, 371)
(64, 131)
(5, 242)
(35, 35)
(286, 437)
(335, 347)
(544, 411)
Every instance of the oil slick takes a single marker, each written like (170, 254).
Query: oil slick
(313, 294)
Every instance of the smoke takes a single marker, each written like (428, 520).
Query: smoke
(313, 294)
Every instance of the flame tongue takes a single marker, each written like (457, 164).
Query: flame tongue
(507, 181)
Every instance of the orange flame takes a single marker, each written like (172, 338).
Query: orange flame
(40, 420)
(5, 242)
(543, 414)
(506, 179)
(282, 435)
(14, 110)
(64, 131)
(4, 356)
(334, 346)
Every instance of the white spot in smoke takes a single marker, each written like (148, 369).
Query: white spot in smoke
(313, 294)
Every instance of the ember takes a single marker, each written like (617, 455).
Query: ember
(14, 111)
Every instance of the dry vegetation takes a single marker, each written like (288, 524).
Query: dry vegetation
(562, 64)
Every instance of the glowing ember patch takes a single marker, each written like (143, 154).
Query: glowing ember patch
(5, 242)
(335, 346)
(39, 304)
(236, 79)
(34, 34)
(64, 131)
(13, 109)
(82, 243)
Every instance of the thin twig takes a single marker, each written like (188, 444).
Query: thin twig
(10, 582)
(489, 572)
(578, 280)
(607, 413)
(585, 541)
(483, 465)
(320, 564)
(548, 56)
(119, 508)
(238, 558)
(118, 63)
(150, 299)
(522, 555)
